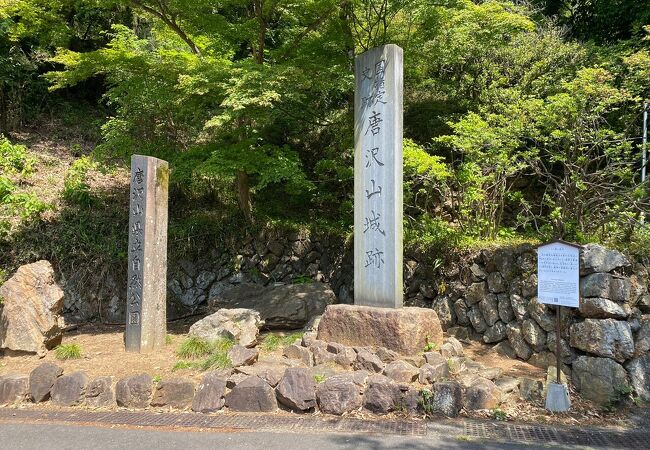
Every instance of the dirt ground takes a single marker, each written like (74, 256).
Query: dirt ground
(103, 354)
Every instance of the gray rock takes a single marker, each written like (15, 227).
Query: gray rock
(252, 395)
(506, 314)
(639, 372)
(269, 371)
(490, 373)
(605, 285)
(461, 309)
(298, 352)
(596, 258)
(204, 278)
(530, 389)
(411, 401)
(386, 355)
(541, 314)
(642, 337)
(236, 378)
(444, 307)
(476, 292)
(284, 307)
(41, 380)
(13, 389)
(601, 308)
(322, 356)
(31, 313)
(447, 398)
(507, 384)
(451, 347)
(489, 307)
(529, 286)
(177, 394)
(482, 394)
(70, 390)
(517, 341)
(368, 361)
(495, 333)
(297, 389)
(100, 393)
(476, 319)
(567, 353)
(597, 378)
(533, 334)
(209, 393)
(382, 396)
(477, 272)
(608, 337)
(134, 391)
(496, 283)
(401, 371)
(430, 373)
(338, 395)
(241, 325)
(243, 356)
(518, 304)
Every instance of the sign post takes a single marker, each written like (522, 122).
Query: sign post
(558, 284)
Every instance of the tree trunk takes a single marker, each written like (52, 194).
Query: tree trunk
(244, 195)
(4, 122)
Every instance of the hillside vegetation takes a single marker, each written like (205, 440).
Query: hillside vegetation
(522, 119)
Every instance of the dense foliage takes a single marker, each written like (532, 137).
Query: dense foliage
(520, 118)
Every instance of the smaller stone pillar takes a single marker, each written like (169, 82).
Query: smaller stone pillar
(146, 314)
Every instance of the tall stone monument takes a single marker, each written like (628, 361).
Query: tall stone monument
(146, 314)
(378, 193)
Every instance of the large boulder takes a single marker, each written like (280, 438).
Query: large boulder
(339, 395)
(13, 389)
(252, 395)
(382, 396)
(41, 380)
(601, 308)
(134, 391)
(608, 337)
(209, 394)
(30, 319)
(177, 394)
(100, 393)
(517, 341)
(239, 324)
(284, 307)
(639, 371)
(70, 390)
(447, 398)
(297, 389)
(242, 356)
(642, 338)
(404, 330)
(597, 379)
(401, 371)
(605, 285)
(482, 394)
(596, 258)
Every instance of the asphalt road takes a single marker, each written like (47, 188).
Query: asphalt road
(75, 437)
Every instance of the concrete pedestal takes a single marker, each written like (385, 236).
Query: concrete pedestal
(557, 397)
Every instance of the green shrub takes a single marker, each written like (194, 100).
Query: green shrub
(14, 158)
(217, 360)
(194, 347)
(272, 342)
(67, 351)
(75, 188)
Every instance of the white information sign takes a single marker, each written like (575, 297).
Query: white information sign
(558, 274)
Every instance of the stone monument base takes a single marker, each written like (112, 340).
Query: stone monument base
(404, 330)
(557, 397)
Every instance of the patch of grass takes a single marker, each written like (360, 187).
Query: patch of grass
(75, 187)
(302, 279)
(67, 351)
(184, 365)
(15, 158)
(274, 341)
(157, 378)
(168, 339)
(424, 402)
(319, 378)
(218, 360)
(498, 414)
(430, 346)
(194, 347)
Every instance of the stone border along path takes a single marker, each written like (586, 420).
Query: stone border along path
(462, 430)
